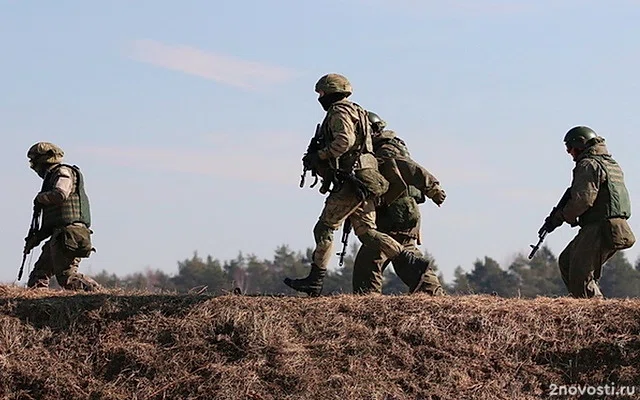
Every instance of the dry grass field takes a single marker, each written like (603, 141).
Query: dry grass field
(122, 345)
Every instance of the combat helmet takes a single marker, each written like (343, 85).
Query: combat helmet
(579, 137)
(44, 153)
(376, 122)
(334, 83)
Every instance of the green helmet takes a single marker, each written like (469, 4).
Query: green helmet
(578, 137)
(376, 122)
(334, 83)
(44, 153)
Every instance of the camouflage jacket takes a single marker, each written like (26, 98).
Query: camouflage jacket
(63, 199)
(400, 170)
(409, 184)
(597, 190)
(347, 136)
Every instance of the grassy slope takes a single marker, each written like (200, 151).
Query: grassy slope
(114, 345)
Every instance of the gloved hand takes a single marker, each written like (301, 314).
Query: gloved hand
(553, 221)
(31, 243)
(439, 197)
(310, 160)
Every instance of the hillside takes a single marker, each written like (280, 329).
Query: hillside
(117, 345)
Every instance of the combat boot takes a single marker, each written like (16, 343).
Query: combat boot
(428, 283)
(417, 263)
(311, 285)
(82, 282)
(425, 286)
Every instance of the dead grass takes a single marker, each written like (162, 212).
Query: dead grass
(117, 345)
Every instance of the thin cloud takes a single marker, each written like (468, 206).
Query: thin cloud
(233, 166)
(221, 68)
(476, 7)
(235, 156)
(275, 157)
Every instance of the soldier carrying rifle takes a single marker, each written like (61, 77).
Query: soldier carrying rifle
(66, 218)
(345, 135)
(598, 202)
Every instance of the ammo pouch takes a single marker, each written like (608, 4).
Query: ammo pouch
(375, 184)
(77, 240)
(417, 195)
(400, 216)
(618, 233)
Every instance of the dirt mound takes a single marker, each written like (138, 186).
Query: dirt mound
(116, 345)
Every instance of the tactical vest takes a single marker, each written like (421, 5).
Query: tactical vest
(612, 200)
(402, 216)
(356, 157)
(74, 209)
(399, 148)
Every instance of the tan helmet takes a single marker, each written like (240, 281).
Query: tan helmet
(45, 153)
(334, 83)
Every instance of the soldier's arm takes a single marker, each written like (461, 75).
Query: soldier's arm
(397, 186)
(416, 175)
(343, 129)
(61, 190)
(587, 178)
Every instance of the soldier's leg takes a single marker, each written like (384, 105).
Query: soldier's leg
(364, 226)
(65, 268)
(425, 282)
(338, 206)
(368, 270)
(564, 262)
(588, 253)
(42, 269)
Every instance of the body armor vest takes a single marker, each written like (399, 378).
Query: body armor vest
(613, 199)
(75, 208)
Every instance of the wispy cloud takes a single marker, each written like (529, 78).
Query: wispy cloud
(464, 6)
(227, 157)
(275, 157)
(221, 68)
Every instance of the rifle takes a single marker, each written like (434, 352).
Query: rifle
(313, 147)
(31, 235)
(542, 233)
(346, 229)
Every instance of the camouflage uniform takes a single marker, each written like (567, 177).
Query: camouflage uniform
(347, 160)
(600, 205)
(66, 218)
(398, 215)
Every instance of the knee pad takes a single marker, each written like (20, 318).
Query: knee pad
(322, 233)
(368, 237)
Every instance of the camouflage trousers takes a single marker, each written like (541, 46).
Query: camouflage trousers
(581, 261)
(55, 260)
(362, 214)
(370, 265)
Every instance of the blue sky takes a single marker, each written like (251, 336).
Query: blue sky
(189, 118)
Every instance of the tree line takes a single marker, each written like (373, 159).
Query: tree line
(539, 276)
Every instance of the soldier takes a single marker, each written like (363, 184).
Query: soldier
(599, 203)
(66, 219)
(349, 164)
(398, 215)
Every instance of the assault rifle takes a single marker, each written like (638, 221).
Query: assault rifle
(542, 233)
(31, 236)
(314, 146)
(346, 229)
